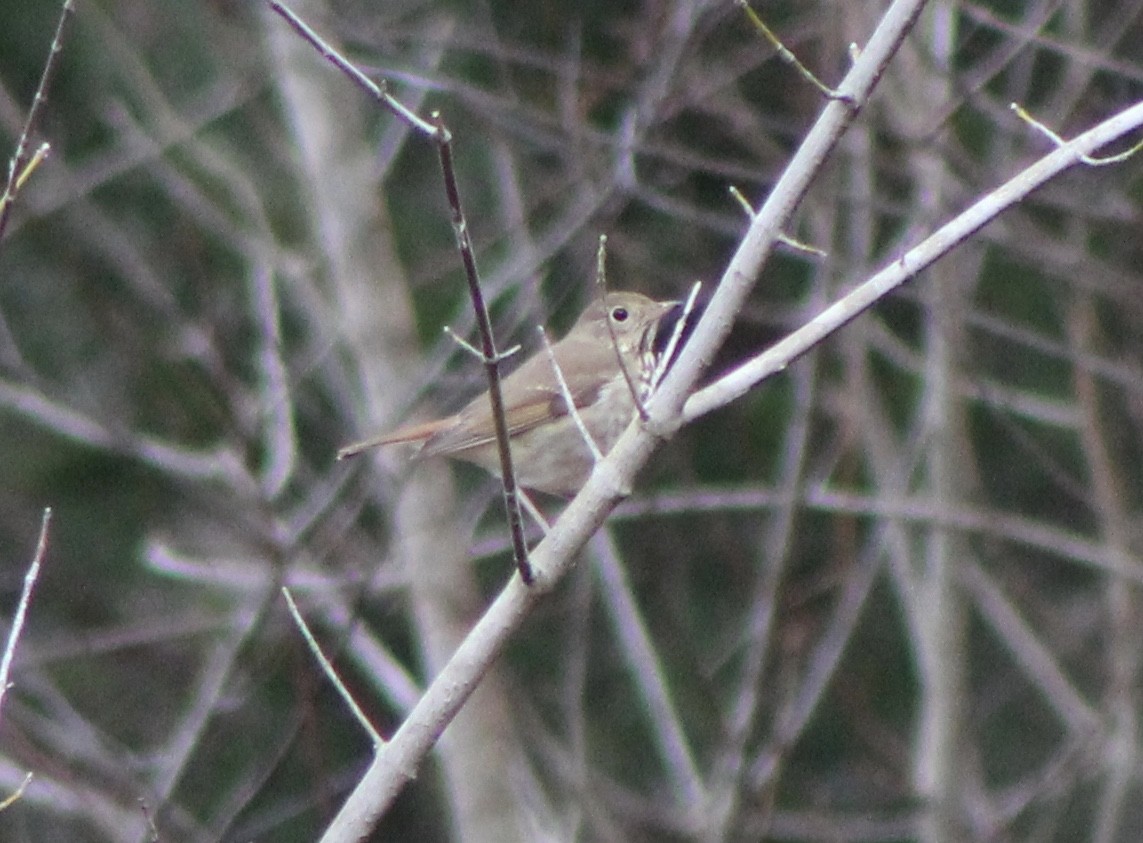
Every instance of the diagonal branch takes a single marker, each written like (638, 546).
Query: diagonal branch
(776, 358)
(397, 762)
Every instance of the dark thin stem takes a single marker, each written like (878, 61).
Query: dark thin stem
(377, 91)
(488, 349)
(16, 167)
(439, 134)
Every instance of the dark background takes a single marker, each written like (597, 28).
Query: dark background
(891, 595)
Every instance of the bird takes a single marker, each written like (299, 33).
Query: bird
(607, 359)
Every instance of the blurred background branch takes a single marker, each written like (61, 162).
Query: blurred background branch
(891, 595)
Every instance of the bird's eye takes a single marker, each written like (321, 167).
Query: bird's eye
(619, 314)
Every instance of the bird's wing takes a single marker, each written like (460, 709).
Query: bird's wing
(525, 405)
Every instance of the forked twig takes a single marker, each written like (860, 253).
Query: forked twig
(1090, 160)
(488, 347)
(779, 355)
(792, 242)
(472, 349)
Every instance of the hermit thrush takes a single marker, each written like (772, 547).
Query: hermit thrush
(548, 449)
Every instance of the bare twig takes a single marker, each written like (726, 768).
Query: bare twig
(472, 349)
(1090, 160)
(1036, 660)
(218, 464)
(18, 619)
(668, 355)
(786, 54)
(565, 392)
(767, 225)
(17, 793)
(328, 669)
(378, 92)
(792, 242)
(38, 158)
(436, 131)
(488, 346)
(647, 674)
(279, 433)
(20, 166)
(956, 231)
(755, 642)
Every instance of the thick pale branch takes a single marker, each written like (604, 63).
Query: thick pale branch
(779, 356)
(398, 761)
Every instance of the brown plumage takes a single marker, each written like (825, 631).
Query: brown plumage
(548, 450)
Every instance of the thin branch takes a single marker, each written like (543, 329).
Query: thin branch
(376, 91)
(793, 243)
(648, 675)
(20, 167)
(779, 356)
(821, 667)
(1035, 659)
(18, 619)
(218, 464)
(668, 355)
(436, 131)
(565, 393)
(38, 157)
(279, 431)
(1090, 160)
(755, 643)
(16, 794)
(768, 223)
(328, 669)
(488, 346)
(786, 54)
(472, 349)
(1122, 652)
